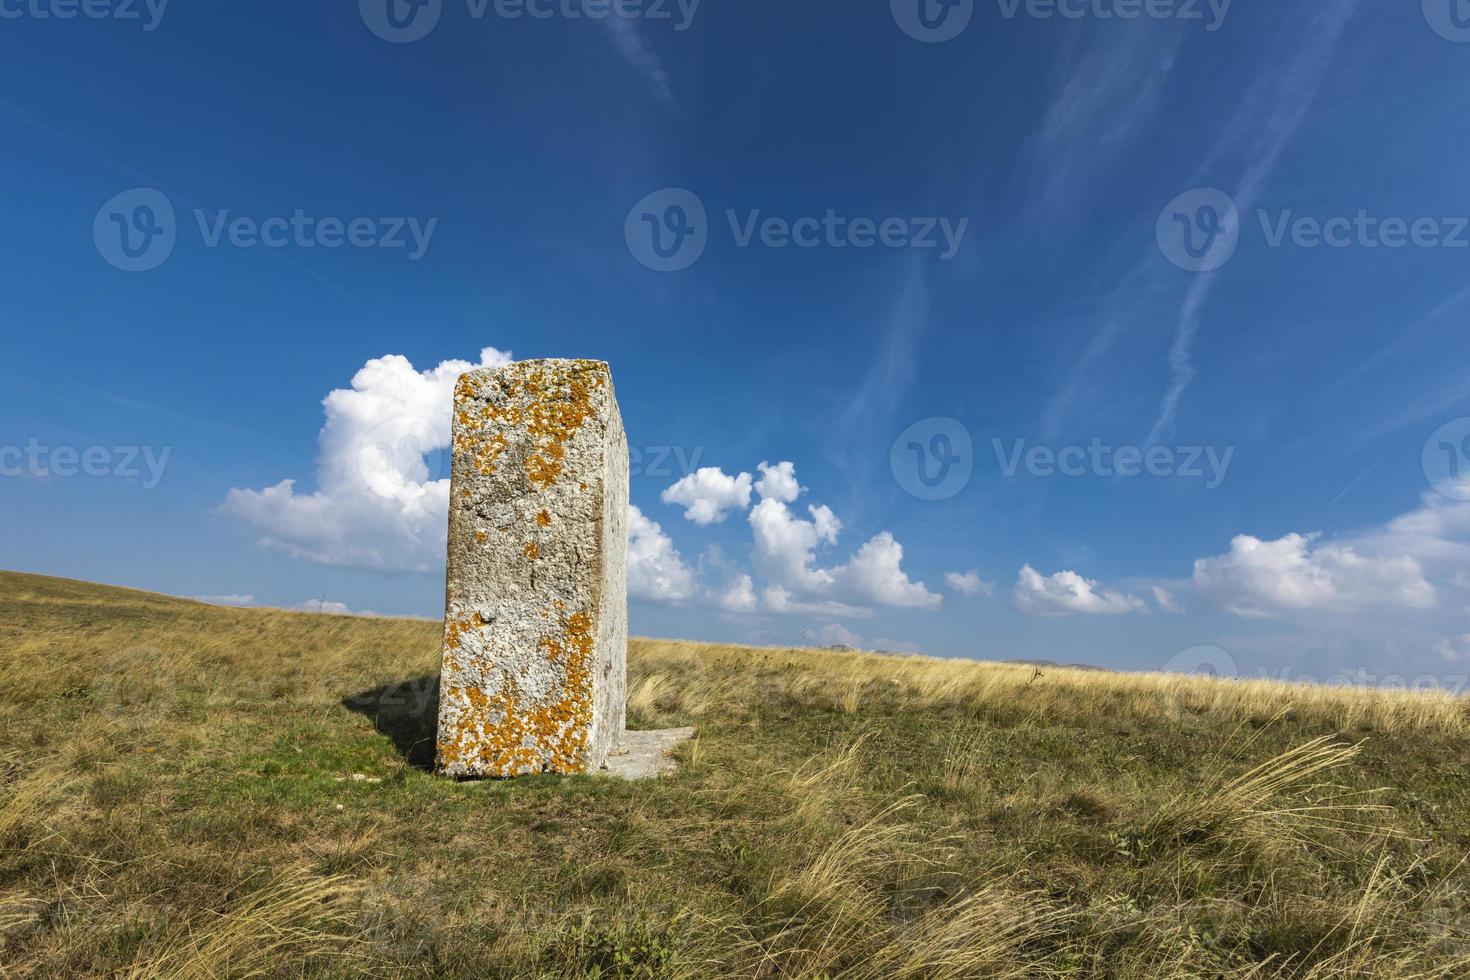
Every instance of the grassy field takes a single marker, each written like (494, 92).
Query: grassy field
(192, 791)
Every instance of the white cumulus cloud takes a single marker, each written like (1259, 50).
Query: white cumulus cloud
(655, 570)
(785, 546)
(708, 495)
(785, 551)
(737, 597)
(381, 502)
(1262, 578)
(875, 573)
(778, 482)
(968, 583)
(1166, 600)
(1066, 593)
(376, 503)
(1387, 595)
(778, 600)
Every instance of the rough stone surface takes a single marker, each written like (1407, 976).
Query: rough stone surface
(646, 755)
(534, 671)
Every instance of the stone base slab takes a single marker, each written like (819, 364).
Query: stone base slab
(646, 755)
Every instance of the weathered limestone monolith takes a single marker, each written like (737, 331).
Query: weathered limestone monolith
(534, 673)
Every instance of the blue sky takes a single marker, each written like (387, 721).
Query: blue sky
(946, 266)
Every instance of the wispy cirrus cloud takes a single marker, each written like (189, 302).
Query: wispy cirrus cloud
(627, 37)
(1105, 102)
(869, 409)
(1264, 122)
(1249, 145)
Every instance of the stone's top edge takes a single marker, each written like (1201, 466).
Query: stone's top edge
(563, 363)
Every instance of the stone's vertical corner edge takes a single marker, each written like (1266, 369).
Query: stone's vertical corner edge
(612, 640)
(442, 764)
(468, 386)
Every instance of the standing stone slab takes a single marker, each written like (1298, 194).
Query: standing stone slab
(534, 673)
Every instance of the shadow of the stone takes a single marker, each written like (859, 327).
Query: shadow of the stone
(407, 712)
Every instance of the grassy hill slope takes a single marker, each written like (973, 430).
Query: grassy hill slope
(193, 791)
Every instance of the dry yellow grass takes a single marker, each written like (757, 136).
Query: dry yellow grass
(297, 916)
(177, 797)
(930, 681)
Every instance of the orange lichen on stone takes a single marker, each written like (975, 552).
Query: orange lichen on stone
(571, 716)
(455, 629)
(504, 737)
(490, 731)
(452, 632)
(489, 452)
(522, 696)
(551, 403)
